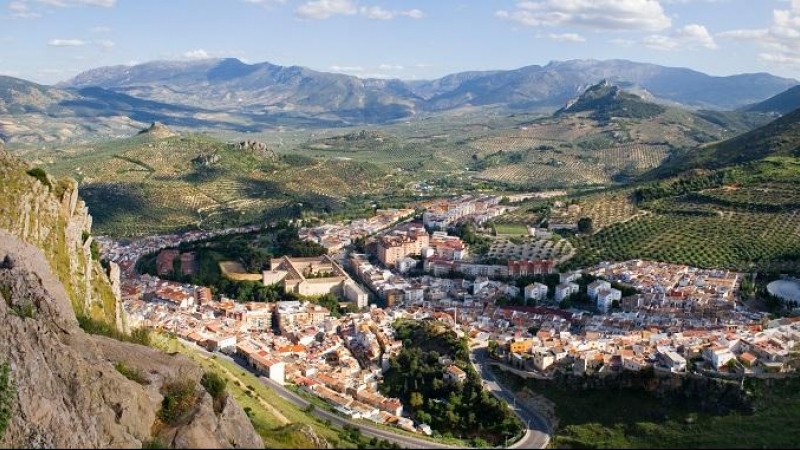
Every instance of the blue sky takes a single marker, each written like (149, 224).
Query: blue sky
(51, 40)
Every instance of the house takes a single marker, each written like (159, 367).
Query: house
(717, 355)
(748, 359)
(595, 287)
(274, 369)
(565, 290)
(536, 292)
(542, 359)
(674, 361)
(454, 374)
(606, 297)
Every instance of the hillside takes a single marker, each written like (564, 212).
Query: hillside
(605, 101)
(778, 138)
(55, 376)
(781, 104)
(225, 84)
(158, 182)
(227, 95)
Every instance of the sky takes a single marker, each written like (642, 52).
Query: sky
(48, 41)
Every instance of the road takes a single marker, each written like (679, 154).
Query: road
(538, 430)
(404, 441)
(366, 429)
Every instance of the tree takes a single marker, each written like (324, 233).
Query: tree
(416, 400)
(585, 225)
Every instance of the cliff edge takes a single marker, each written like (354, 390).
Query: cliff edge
(63, 388)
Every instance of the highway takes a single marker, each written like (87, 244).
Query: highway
(538, 430)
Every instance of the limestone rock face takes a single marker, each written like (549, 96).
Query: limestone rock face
(260, 149)
(68, 392)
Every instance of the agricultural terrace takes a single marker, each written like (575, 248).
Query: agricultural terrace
(604, 209)
(752, 224)
(515, 249)
(142, 186)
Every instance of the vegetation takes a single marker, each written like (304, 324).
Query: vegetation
(634, 418)
(141, 336)
(416, 376)
(132, 373)
(40, 175)
(741, 218)
(215, 385)
(7, 396)
(180, 398)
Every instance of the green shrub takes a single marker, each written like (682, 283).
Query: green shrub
(40, 175)
(131, 373)
(180, 396)
(7, 393)
(154, 443)
(216, 386)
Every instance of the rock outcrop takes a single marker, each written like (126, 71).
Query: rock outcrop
(48, 214)
(158, 130)
(259, 149)
(68, 389)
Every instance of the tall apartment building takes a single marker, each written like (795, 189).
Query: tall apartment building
(397, 246)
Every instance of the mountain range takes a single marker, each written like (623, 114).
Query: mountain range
(232, 95)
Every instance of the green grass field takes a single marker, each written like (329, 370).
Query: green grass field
(510, 229)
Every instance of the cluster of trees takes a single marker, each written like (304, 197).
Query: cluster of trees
(478, 243)
(455, 409)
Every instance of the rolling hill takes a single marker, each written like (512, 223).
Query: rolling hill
(783, 103)
(780, 137)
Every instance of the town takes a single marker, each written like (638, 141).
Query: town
(679, 320)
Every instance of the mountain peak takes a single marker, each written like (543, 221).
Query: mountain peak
(606, 100)
(158, 130)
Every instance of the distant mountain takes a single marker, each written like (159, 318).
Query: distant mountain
(605, 101)
(778, 138)
(552, 85)
(227, 94)
(231, 85)
(781, 104)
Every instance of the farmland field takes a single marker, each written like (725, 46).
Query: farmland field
(752, 225)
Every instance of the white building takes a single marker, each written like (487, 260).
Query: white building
(536, 292)
(597, 286)
(606, 297)
(565, 290)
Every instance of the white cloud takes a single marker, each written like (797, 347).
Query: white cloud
(689, 37)
(593, 14)
(20, 10)
(106, 44)
(378, 13)
(566, 37)
(66, 3)
(196, 54)
(323, 9)
(337, 68)
(390, 67)
(66, 43)
(780, 42)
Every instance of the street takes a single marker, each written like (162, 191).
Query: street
(538, 430)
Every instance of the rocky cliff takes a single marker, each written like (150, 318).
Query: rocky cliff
(65, 388)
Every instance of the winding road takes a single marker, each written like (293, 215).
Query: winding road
(538, 430)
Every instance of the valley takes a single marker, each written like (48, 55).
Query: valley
(366, 249)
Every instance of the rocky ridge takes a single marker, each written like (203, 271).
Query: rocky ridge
(68, 390)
